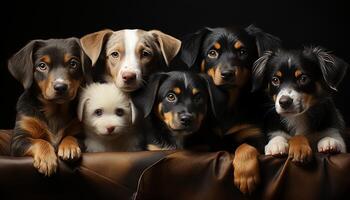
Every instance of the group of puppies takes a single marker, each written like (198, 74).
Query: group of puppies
(217, 89)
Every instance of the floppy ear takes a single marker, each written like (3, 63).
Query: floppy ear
(333, 68)
(85, 62)
(264, 41)
(218, 99)
(93, 43)
(21, 64)
(259, 70)
(145, 98)
(191, 45)
(81, 107)
(133, 112)
(169, 45)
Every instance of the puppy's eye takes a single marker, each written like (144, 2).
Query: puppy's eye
(73, 63)
(115, 54)
(304, 79)
(197, 98)
(42, 66)
(171, 97)
(213, 54)
(242, 51)
(119, 112)
(275, 81)
(146, 53)
(98, 112)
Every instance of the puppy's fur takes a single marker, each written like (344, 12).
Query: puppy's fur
(51, 72)
(177, 104)
(301, 83)
(128, 57)
(227, 56)
(109, 118)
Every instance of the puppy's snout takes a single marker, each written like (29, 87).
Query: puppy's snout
(227, 74)
(60, 87)
(128, 77)
(186, 119)
(110, 129)
(285, 102)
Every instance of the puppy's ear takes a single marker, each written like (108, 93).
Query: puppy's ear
(191, 45)
(259, 70)
(333, 68)
(264, 41)
(21, 64)
(81, 107)
(169, 45)
(218, 99)
(93, 43)
(85, 62)
(133, 112)
(145, 98)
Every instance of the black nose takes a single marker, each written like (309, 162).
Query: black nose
(227, 74)
(285, 102)
(60, 87)
(186, 119)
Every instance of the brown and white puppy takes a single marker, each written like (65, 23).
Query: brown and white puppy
(128, 57)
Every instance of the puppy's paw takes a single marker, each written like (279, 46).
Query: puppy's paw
(331, 145)
(299, 149)
(246, 168)
(69, 149)
(46, 161)
(277, 146)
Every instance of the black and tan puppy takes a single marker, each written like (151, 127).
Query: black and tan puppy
(301, 83)
(51, 72)
(177, 104)
(227, 56)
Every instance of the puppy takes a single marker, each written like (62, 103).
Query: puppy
(51, 72)
(128, 57)
(227, 56)
(108, 116)
(301, 83)
(177, 104)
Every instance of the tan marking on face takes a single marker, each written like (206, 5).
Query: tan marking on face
(46, 87)
(238, 45)
(297, 73)
(73, 88)
(35, 127)
(279, 74)
(203, 66)
(217, 45)
(309, 100)
(68, 57)
(169, 119)
(274, 97)
(46, 59)
(195, 91)
(177, 90)
(215, 74)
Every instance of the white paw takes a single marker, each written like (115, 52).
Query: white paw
(331, 145)
(277, 146)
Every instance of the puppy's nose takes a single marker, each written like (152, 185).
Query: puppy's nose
(110, 129)
(227, 74)
(285, 102)
(128, 77)
(60, 87)
(186, 119)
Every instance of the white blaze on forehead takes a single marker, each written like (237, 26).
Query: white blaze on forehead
(289, 62)
(130, 60)
(60, 80)
(186, 81)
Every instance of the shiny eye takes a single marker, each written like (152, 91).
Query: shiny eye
(197, 98)
(304, 79)
(242, 51)
(115, 54)
(42, 66)
(146, 53)
(213, 54)
(171, 97)
(98, 112)
(74, 63)
(119, 112)
(275, 81)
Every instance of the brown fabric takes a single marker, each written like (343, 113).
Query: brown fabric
(172, 175)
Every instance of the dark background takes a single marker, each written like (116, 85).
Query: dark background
(297, 23)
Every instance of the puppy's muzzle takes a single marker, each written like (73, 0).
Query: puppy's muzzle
(186, 119)
(285, 102)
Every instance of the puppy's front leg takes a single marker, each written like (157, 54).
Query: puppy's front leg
(299, 149)
(332, 142)
(246, 168)
(69, 147)
(278, 144)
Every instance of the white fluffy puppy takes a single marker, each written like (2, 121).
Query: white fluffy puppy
(108, 116)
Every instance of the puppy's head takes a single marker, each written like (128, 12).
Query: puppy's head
(130, 55)
(105, 109)
(56, 67)
(226, 54)
(298, 79)
(179, 99)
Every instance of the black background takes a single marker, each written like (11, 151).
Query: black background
(297, 23)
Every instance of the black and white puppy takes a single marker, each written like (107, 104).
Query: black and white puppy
(301, 83)
(109, 118)
(177, 104)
